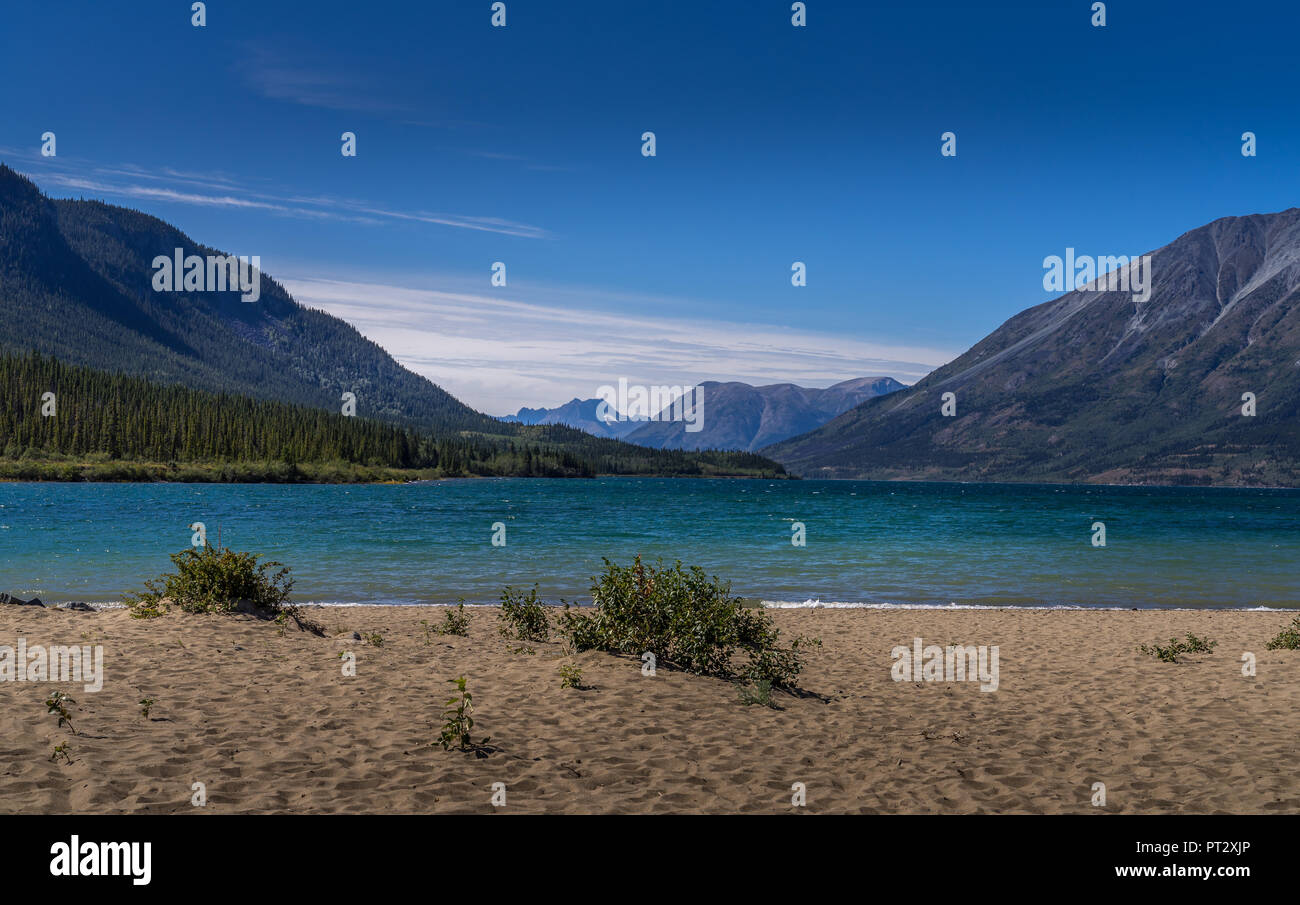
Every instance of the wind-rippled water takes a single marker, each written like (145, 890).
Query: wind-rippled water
(867, 542)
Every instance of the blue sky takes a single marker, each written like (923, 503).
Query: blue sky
(775, 144)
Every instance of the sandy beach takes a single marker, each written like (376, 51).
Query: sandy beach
(265, 719)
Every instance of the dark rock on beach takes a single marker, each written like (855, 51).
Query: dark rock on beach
(17, 601)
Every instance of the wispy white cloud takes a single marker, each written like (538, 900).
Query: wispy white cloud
(174, 187)
(157, 194)
(207, 180)
(498, 354)
(482, 224)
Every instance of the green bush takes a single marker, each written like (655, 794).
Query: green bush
(687, 620)
(212, 580)
(570, 675)
(455, 622)
(523, 617)
(1174, 649)
(1288, 638)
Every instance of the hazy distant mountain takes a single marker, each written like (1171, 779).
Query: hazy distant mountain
(579, 413)
(740, 416)
(735, 415)
(1095, 387)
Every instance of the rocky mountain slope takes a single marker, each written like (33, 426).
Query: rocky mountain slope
(1095, 387)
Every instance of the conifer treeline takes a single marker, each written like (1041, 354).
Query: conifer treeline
(129, 418)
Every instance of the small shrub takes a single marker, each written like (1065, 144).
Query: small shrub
(212, 580)
(146, 704)
(570, 675)
(1174, 649)
(457, 722)
(687, 620)
(1288, 638)
(523, 617)
(374, 639)
(759, 693)
(61, 751)
(455, 622)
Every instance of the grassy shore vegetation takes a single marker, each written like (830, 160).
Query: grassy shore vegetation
(111, 427)
(684, 618)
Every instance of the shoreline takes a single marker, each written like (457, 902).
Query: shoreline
(776, 605)
(406, 476)
(362, 475)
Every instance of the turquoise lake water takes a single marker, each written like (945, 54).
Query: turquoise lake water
(867, 542)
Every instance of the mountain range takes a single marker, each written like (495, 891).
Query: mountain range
(577, 413)
(1198, 384)
(734, 415)
(1096, 387)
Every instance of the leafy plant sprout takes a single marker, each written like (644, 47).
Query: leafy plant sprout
(457, 722)
(570, 675)
(58, 703)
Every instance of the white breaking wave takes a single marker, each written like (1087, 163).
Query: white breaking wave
(836, 605)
